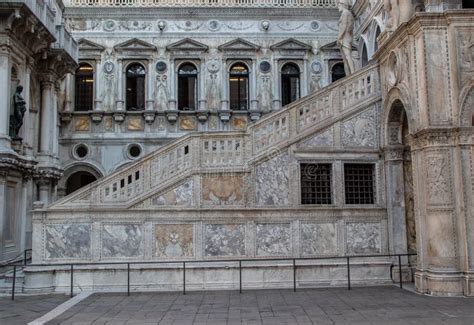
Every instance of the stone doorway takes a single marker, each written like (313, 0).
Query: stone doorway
(400, 194)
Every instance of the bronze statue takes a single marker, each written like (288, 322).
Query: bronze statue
(19, 109)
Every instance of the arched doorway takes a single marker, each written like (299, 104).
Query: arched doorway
(77, 180)
(337, 71)
(399, 176)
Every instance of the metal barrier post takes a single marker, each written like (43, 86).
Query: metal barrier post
(24, 257)
(72, 280)
(400, 270)
(294, 275)
(348, 274)
(240, 276)
(184, 278)
(128, 279)
(14, 282)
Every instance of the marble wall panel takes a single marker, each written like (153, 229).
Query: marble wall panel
(323, 139)
(222, 190)
(361, 130)
(273, 239)
(181, 195)
(65, 241)
(318, 239)
(272, 181)
(224, 240)
(174, 240)
(363, 238)
(122, 240)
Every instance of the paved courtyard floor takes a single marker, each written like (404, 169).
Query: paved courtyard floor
(368, 305)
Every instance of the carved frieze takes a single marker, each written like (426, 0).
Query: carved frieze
(438, 179)
(363, 238)
(174, 240)
(223, 190)
(224, 240)
(318, 239)
(272, 178)
(361, 130)
(273, 239)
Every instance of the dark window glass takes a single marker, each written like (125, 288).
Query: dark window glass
(467, 4)
(84, 88)
(359, 183)
(337, 72)
(135, 100)
(315, 183)
(290, 83)
(239, 87)
(187, 87)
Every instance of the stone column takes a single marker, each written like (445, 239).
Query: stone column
(172, 85)
(5, 98)
(97, 86)
(44, 191)
(47, 120)
(276, 86)
(304, 79)
(202, 102)
(225, 88)
(253, 86)
(395, 198)
(149, 82)
(119, 101)
(68, 101)
(3, 194)
(25, 130)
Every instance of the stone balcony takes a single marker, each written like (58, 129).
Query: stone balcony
(65, 41)
(204, 3)
(40, 9)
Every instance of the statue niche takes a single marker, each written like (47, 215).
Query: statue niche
(19, 109)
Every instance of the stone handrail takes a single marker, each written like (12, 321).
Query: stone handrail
(204, 3)
(65, 41)
(229, 151)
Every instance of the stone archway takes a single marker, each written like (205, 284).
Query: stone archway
(400, 194)
(76, 177)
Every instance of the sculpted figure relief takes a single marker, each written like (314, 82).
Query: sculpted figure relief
(19, 109)
(161, 93)
(398, 11)
(345, 37)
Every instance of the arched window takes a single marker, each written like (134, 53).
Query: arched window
(337, 71)
(187, 87)
(84, 88)
(376, 42)
(290, 83)
(239, 87)
(364, 56)
(135, 99)
(78, 180)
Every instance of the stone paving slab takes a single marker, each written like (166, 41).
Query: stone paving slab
(368, 305)
(25, 309)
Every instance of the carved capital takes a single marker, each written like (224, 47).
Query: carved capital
(394, 153)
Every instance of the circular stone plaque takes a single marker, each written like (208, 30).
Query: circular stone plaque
(161, 66)
(109, 67)
(316, 67)
(265, 66)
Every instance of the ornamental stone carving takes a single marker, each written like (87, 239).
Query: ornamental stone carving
(272, 181)
(273, 239)
(122, 240)
(67, 241)
(438, 175)
(318, 239)
(174, 240)
(363, 238)
(361, 130)
(224, 240)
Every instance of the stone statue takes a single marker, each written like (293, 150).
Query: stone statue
(265, 94)
(19, 109)
(345, 37)
(213, 96)
(315, 84)
(398, 11)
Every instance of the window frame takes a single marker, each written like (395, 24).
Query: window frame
(92, 87)
(331, 191)
(196, 86)
(290, 76)
(247, 77)
(145, 81)
(375, 185)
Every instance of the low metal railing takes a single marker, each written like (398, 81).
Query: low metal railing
(239, 261)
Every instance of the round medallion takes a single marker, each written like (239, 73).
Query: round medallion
(109, 67)
(109, 25)
(316, 67)
(161, 66)
(265, 24)
(161, 25)
(213, 25)
(265, 66)
(213, 66)
(314, 25)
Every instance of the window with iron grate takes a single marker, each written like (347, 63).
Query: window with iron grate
(315, 183)
(359, 183)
